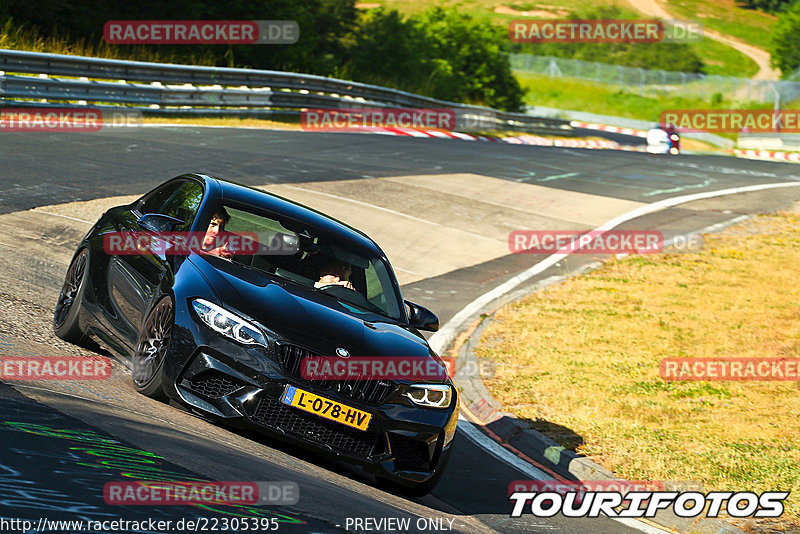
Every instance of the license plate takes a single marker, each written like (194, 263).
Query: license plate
(329, 409)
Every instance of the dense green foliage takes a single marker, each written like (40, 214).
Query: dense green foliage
(785, 48)
(770, 6)
(664, 56)
(439, 53)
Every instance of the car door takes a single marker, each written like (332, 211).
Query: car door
(134, 279)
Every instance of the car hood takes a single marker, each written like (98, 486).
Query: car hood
(306, 317)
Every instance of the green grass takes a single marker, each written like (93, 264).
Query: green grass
(592, 381)
(725, 16)
(570, 93)
(723, 60)
(752, 27)
(485, 8)
(23, 38)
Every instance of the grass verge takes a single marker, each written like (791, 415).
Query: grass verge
(571, 93)
(749, 25)
(729, 17)
(580, 361)
(30, 39)
(724, 60)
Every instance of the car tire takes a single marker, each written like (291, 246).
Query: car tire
(151, 348)
(68, 306)
(423, 488)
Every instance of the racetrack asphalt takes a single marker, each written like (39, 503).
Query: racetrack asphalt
(42, 169)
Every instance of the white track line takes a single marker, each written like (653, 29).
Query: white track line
(501, 453)
(514, 461)
(64, 216)
(387, 210)
(442, 339)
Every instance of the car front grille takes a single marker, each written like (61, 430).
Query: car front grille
(370, 391)
(212, 384)
(271, 413)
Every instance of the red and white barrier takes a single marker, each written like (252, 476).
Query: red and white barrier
(605, 128)
(514, 140)
(768, 154)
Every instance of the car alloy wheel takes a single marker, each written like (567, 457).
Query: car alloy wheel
(70, 289)
(149, 356)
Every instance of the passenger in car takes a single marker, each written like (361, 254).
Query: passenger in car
(335, 272)
(216, 238)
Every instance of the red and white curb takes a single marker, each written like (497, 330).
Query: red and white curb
(514, 140)
(604, 128)
(413, 132)
(569, 143)
(768, 154)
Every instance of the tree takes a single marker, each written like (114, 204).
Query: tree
(771, 6)
(469, 60)
(785, 47)
(325, 27)
(441, 53)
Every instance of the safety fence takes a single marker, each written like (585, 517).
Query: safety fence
(36, 79)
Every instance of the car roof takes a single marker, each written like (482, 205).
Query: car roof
(259, 198)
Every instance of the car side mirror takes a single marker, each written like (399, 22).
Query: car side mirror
(422, 318)
(156, 222)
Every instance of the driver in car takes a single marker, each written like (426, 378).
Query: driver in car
(335, 272)
(216, 239)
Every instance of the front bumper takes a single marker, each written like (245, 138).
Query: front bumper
(242, 387)
(663, 148)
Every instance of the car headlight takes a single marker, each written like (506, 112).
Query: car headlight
(674, 137)
(430, 395)
(228, 324)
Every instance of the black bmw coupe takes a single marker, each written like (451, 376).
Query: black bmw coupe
(225, 332)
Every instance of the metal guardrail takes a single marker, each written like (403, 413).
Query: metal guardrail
(623, 122)
(167, 88)
(769, 141)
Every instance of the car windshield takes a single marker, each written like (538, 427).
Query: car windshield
(309, 257)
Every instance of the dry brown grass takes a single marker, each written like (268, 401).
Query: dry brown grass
(700, 146)
(585, 355)
(30, 39)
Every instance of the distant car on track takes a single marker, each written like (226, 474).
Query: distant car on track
(663, 140)
(225, 335)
